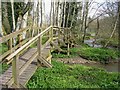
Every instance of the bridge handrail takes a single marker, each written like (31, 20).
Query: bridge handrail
(27, 44)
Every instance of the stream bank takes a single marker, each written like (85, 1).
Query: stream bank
(111, 67)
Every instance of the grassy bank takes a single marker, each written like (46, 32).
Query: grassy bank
(76, 76)
(102, 55)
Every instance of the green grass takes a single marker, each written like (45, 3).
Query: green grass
(90, 53)
(76, 76)
(98, 54)
(3, 67)
(3, 48)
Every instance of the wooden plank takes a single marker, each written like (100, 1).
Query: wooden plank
(46, 63)
(39, 45)
(28, 54)
(9, 51)
(14, 34)
(60, 41)
(68, 49)
(49, 58)
(15, 74)
(27, 74)
(54, 38)
(47, 42)
(26, 45)
(28, 63)
(57, 47)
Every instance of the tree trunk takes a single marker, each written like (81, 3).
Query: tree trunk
(119, 26)
(24, 20)
(61, 13)
(64, 13)
(97, 31)
(57, 12)
(115, 26)
(67, 22)
(13, 17)
(51, 13)
(86, 15)
(41, 14)
(38, 14)
(73, 15)
(5, 20)
(1, 32)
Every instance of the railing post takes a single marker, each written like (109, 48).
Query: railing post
(68, 42)
(59, 33)
(51, 33)
(39, 46)
(10, 45)
(19, 40)
(15, 68)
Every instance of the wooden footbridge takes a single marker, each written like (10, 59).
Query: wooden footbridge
(23, 59)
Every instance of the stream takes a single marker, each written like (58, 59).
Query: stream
(90, 43)
(111, 67)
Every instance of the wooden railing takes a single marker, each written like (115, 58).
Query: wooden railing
(13, 54)
(18, 34)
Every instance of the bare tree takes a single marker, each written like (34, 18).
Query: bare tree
(97, 31)
(115, 27)
(119, 25)
(1, 32)
(85, 21)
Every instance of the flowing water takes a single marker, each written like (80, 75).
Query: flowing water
(90, 43)
(111, 67)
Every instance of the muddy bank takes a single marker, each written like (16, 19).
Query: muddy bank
(111, 67)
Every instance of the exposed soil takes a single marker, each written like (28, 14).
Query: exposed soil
(76, 60)
(112, 66)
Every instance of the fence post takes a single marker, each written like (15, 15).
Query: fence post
(15, 68)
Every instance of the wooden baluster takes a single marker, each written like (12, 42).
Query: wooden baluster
(15, 69)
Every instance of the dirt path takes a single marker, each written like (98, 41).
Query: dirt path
(76, 60)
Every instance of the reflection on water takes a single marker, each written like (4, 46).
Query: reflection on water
(112, 67)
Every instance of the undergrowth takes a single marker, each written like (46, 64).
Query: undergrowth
(97, 54)
(75, 76)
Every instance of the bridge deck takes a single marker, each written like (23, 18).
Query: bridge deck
(6, 77)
